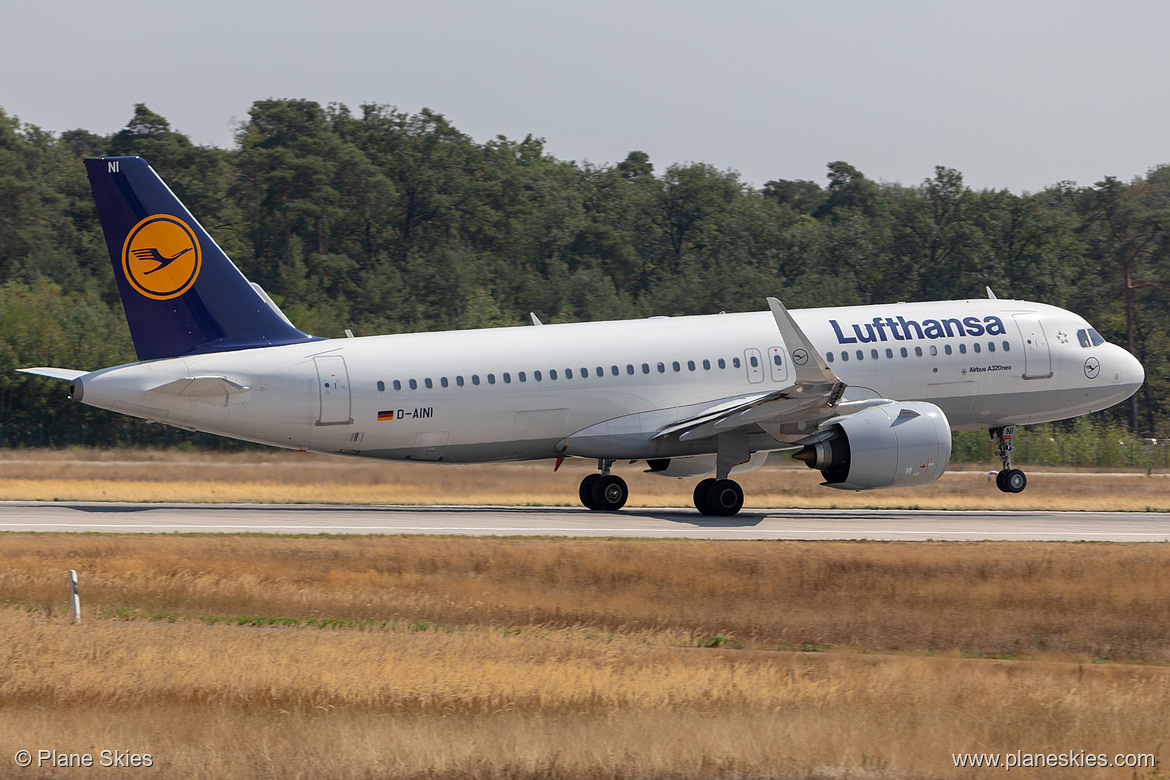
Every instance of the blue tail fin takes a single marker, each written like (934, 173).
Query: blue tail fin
(181, 293)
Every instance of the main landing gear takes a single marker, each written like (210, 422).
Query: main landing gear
(720, 497)
(607, 492)
(604, 492)
(1008, 480)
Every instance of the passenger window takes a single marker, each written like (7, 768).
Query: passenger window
(443, 381)
(873, 353)
(428, 383)
(413, 385)
(933, 350)
(584, 373)
(614, 370)
(844, 356)
(601, 371)
(676, 366)
(491, 379)
(918, 352)
(829, 357)
(735, 362)
(630, 368)
(976, 347)
(662, 368)
(755, 362)
(889, 352)
(722, 363)
(459, 380)
(552, 374)
(1007, 347)
(522, 376)
(690, 365)
(536, 375)
(645, 368)
(397, 385)
(776, 359)
(860, 355)
(568, 373)
(706, 365)
(507, 378)
(475, 379)
(962, 349)
(991, 346)
(381, 386)
(905, 353)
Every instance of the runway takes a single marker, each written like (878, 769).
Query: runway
(807, 524)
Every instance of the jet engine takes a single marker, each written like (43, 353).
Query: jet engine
(893, 445)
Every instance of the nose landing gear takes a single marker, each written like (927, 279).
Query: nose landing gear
(1009, 480)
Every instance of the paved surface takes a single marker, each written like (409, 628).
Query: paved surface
(560, 521)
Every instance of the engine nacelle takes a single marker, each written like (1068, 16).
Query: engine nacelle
(892, 445)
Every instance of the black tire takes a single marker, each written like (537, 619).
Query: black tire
(610, 493)
(701, 495)
(725, 498)
(1015, 481)
(586, 491)
(999, 483)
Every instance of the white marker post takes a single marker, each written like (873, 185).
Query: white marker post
(73, 595)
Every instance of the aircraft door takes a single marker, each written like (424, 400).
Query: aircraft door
(778, 362)
(333, 390)
(754, 364)
(1037, 358)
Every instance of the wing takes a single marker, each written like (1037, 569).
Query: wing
(815, 395)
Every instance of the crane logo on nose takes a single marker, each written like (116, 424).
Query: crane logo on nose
(1092, 368)
(161, 257)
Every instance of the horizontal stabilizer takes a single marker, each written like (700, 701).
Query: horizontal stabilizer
(68, 374)
(201, 387)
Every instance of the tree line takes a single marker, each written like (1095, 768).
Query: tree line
(382, 221)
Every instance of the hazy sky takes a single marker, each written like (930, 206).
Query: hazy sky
(1018, 94)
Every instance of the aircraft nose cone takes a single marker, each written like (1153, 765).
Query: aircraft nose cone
(1129, 370)
(1137, 372)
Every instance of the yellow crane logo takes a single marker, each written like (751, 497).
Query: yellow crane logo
(161, 257)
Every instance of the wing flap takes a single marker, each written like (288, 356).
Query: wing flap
(712, 414)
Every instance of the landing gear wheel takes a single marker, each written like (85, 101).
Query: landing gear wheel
(1008, 480)
(586, 491)
(609, 493)
(701, 490)
(725, 497)
(719, 497)
(1013, 481)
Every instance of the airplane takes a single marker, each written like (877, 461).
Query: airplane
(867, 395)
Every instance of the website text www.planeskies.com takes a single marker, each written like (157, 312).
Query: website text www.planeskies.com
(1021, 759)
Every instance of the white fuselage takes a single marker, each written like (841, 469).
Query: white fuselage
(602, 390)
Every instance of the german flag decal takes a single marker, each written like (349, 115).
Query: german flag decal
(383, 416)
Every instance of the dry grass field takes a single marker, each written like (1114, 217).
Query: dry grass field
(276, 476)
(425, 657)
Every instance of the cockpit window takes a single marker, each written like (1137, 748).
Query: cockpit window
(1096, 338)
(1083, 337)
